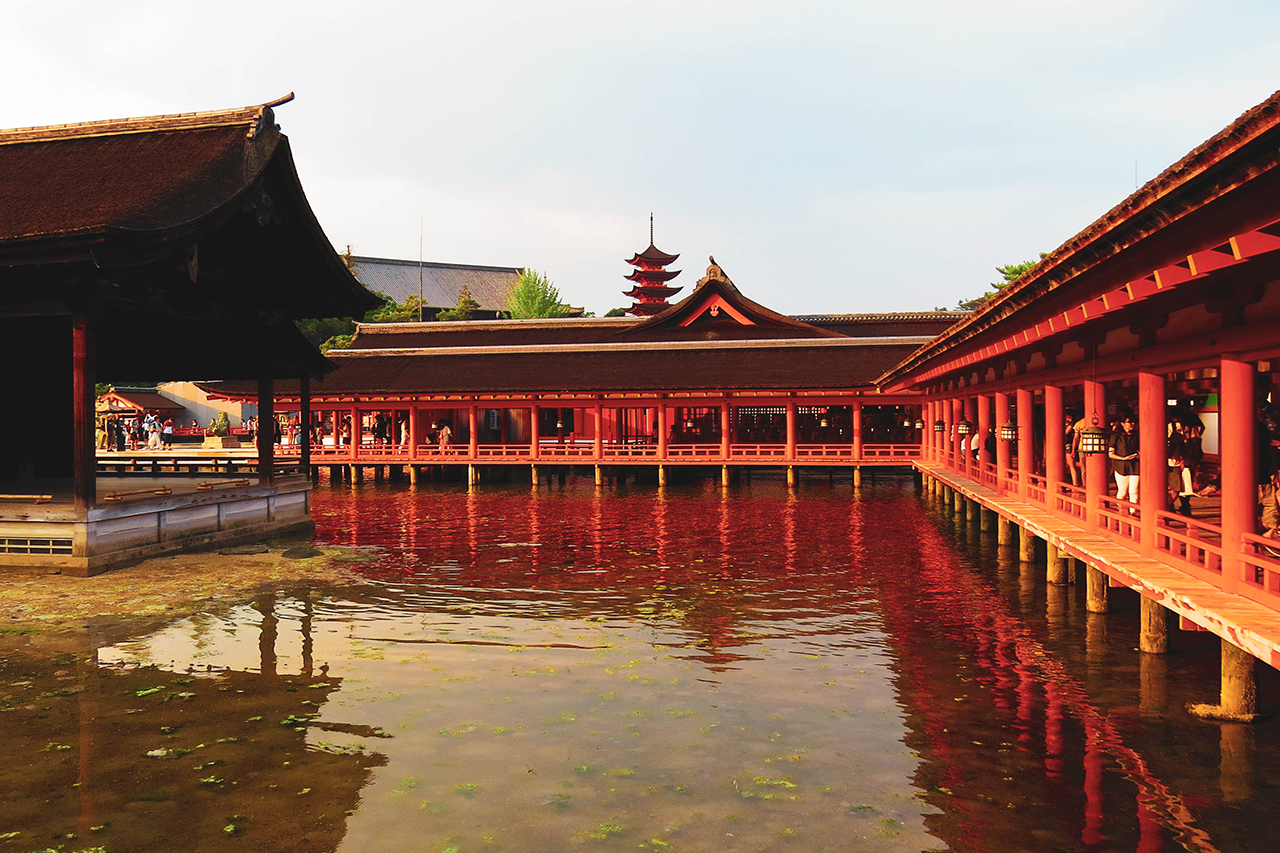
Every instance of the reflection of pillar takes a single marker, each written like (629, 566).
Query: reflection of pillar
(789, 532)
(1056, 609)
(1095, 638)
(1052, 731)
(1236, 768)
(1094, 816)
(266, 605)
(87, 706)
(1153, 636)
(1153, 685)
(308, 642)
(1237, 446)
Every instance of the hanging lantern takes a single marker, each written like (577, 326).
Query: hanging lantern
(939, 426)
(1093, 439)
(919, 424)
(964, 428)
(1009, 432)
(559, 424)
(823, 423)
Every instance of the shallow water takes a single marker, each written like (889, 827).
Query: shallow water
(685, 670)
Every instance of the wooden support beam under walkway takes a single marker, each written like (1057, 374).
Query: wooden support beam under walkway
(1236, 619)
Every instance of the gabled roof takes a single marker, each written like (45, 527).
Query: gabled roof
(717, 310)
(441, 283)
(179, 192)
(147, 400)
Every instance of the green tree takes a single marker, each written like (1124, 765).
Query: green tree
(534, 296)
(464, 310)
(616, 312)
(1009, 273)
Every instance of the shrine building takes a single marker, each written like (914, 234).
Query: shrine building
(138, 249)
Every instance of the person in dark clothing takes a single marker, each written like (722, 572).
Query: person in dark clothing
(1123, 451)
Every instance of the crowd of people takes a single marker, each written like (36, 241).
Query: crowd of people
(114, 432)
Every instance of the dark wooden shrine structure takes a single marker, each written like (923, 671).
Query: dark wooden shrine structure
(140, 249)
(1167, 307)
(714, 380)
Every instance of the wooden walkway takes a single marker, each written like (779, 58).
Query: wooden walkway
(1246, 623)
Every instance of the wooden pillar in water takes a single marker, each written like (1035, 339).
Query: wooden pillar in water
(1097, 599)
(1004, 531)
(1026, 545)
(662, 475)
(987, 520)
(1055, 564)
(791, 476)
(1239, 685)
(857, 476)
(599, 476)
(533, 475)
(1153, 636)
(724, 476)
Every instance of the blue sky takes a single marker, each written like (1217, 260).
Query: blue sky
(834, 157)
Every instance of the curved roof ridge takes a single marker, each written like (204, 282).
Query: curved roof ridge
(253, 117)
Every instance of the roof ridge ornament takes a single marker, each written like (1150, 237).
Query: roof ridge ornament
(715, 273)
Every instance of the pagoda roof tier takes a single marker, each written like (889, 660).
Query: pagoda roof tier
(643, 275)
(652, 256)
(646, 309)
(653, 292)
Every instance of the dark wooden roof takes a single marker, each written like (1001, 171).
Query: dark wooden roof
(652, 255)
(147, 400)
(617, 367)
(187, 238)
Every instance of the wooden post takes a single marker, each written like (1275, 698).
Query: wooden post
(1003, 450)
(304, 425)
(987, 520)
(1153, 636)
(413, 475)
(984, 430)
(791, 435)
(599, 475)
(473, 474)
(791, 476)
(662, 475)
(970, 415)
(1026, 545)
(660, 416)
(84, 454)
(957, 440)
(1026, 442)
(1239, 686)
(1055, 451)
(533, 474)
(534, 439)
(857, 435)
(948, 433)
(1096, 590)
(473, 432)
(1095, 464)
(266, 426)
(857, 476)
(724, 476)
(1237, 448)
(1055, 564)
(413, 439)
(1153, 437)
(725, 434)
(598, 449)
(1004, 531)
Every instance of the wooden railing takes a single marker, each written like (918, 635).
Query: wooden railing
(1036, 489)
(1070, 501)
(1261, 560)
(1191, 545)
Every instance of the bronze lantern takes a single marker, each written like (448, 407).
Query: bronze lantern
(964, 428)
(1009, 432)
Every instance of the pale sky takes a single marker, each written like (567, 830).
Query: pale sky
(834, 157)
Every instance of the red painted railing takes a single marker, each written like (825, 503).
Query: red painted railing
(1191, 545)
(1261, 560)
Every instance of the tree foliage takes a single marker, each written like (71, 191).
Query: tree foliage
(616, 312)
(464, 310)
(534, 296)
(1009, 273)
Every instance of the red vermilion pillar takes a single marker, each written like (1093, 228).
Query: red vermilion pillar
(984, 430)
(661, 414)
(1055, 451)
(1237, 449)
(473, 431)
(534, 438)
(1026, 441)
(970, 415)
(857, 429)
(1153, 439)
(83, 456)
(304, 423)
(948, 432)
(1095, 464)
(599, 439)
(1003, 450)
(725, 432)
(791, 430)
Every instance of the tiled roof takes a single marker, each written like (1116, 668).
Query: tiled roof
(441, 283)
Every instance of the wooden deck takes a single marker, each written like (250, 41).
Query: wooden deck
(1251, 625)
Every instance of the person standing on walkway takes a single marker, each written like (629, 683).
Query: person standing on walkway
(1123, 451)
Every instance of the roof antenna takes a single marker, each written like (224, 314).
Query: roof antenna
(651, 228)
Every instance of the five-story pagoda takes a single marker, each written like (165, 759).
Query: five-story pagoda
(649, 289)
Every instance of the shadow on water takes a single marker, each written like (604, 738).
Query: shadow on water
(633, 668)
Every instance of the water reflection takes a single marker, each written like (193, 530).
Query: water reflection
(689, 668)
